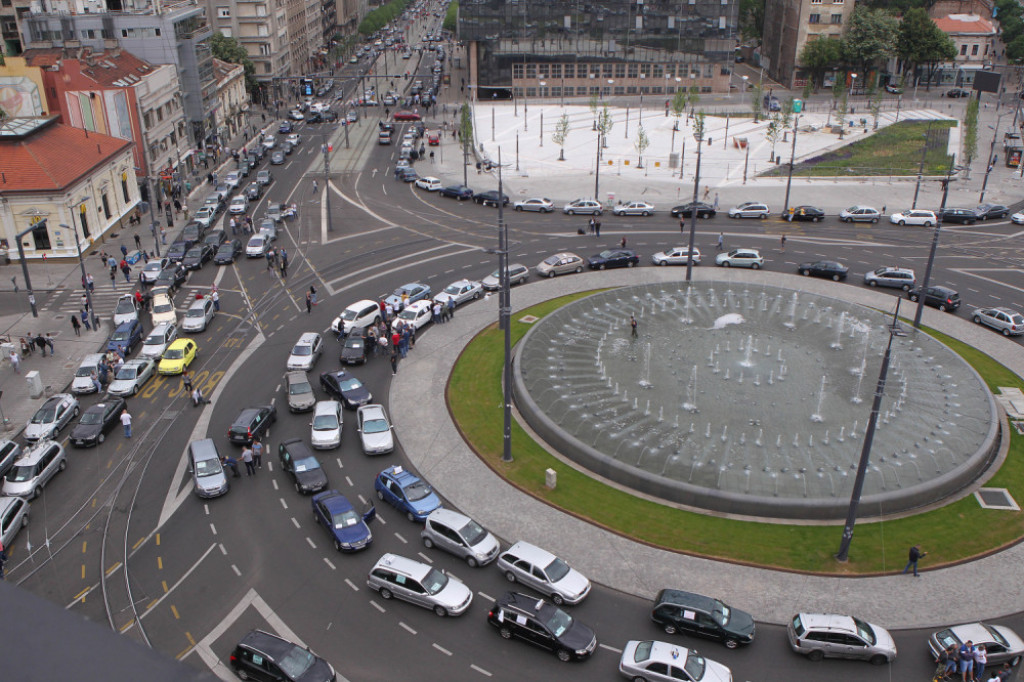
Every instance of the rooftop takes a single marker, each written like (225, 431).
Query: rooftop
(114, 67)
(965, 23)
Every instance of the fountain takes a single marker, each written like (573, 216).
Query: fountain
(773, 357)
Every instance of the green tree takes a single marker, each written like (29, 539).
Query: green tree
(755, 101)
(605, 125)
(451, 19)
(921, 43)
(786, 115)
(752, 21)
(560, 135)
(641, 145)
(875, 104)
(820, 55)
(679, 102)
(230, 50)
(466, 133)
(774, 131)
(381, 16)
(870, 37)
(841, 112)
(594, 103)
(971, 131)
(693, 97)
(698, 127)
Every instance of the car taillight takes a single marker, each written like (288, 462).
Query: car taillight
(233, 659)
(248, 432)
(949, 301)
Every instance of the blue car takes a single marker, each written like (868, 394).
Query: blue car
(285, 127)
(347, 528)
(406, 493)
(415, 291)
(125, 337)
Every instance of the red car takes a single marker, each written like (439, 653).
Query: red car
(433, 138)
(406, 116)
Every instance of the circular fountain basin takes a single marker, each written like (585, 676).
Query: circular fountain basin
(753, 400)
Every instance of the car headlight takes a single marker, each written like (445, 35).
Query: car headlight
(581, 652)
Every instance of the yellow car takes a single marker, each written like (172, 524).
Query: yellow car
(178, 356)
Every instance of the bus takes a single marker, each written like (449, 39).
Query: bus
(306, 87)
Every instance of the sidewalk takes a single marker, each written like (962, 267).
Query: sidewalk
(435, 447)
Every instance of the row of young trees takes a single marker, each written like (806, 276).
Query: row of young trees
(382, 16)
(1011, 19)
(875, 35)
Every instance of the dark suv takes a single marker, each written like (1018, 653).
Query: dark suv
(942, 298)
(262, 656)
(252, 422)
(678, 611)
(542, 624)
(964, 216)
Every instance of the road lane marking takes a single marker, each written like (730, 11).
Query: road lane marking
(213, 529)
(403, 540)
(223, 549)
(174, 610)
(283, 503)
(112, 569)
(349, 481)
(378, 606)
(310, 541)
(182, 579)
(355, 588)
(441, 649)
(610, 648)
(480, 670)
(406, 628)
(426, 558)
(296, 522)
(485, 596)
(328, 562)
(235, 569)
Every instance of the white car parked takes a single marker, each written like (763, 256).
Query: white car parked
(374, 430)
(158, 340)
(132, 375)
(913, 216)
(537, 204)
(634, 208)
(417, 314)
(750, 209)
(327, 423)
(678, 255)
(461, 291)
(429, 183)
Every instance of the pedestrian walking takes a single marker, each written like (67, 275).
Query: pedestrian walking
(198, 398)
(980, 660)
(113, 278)
(90, 283)
(451, 308)
(250, 468)
(590, 225)
(394, 363)
(138, 243)
(913, 557)
(966, 655)
(782, 244)
(126, 422)
(270, 259)
(163, 236)
(315, 186)
(124, 250)
(40, 344)
(215, 297)
(721, 242)
(682, 224)
(76, 325)
(633, 325)
(186, 380)
(257, 453)
(715, 205)
(622, 242)
(49, 342)
(597, 228)
(85, 320)
(309, 303)
(15, 361)
(707, 192)
(312, 293)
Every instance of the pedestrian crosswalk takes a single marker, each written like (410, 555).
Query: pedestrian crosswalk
(70, 301)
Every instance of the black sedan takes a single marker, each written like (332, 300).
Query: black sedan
(686, 210)
(346, 388)
(491, 198)
(176, 251)
(963, 216)
(459, 192)
(192, 232)
(828, 269)
(354, 351)
(96, 422)
(811, 214)
(197, 256)
(988, 211)
(303, 466)
(613, 258)
(227, 252)
(958, 92)
(172, 277)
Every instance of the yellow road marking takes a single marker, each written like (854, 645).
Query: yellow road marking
(113, 568)
(126, 625)
(83, 571)
(81, 594)
(139, 542)
(158, 539)
(160, 563)
(83, 546)
(164, 584)
(152, 604)
(186, 650)
(94, 499)
(175, 612)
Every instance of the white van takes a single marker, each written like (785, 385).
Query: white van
(82, 383)
(359, 315)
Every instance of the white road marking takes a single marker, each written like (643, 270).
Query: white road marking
(274, 482)
(223, 549)
(349, 481)
(283, 503)
(296, 522)
(403, 540)
(206, 509)
(406, 628)
(235, 569)
(310, 541)
(480, 670)
(610, 648)
(340, 465)
(213, 529)
(441, 649)
(485, 596)
(378, 606)
(351, 584)
(426, 558)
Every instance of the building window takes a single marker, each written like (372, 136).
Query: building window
(630, 90)
(556, 91)
(124, 189)
(41, 237)
(531, 92)
(659, 71)
(974, 50)
(106, 206)
(556, 70)
(634, 71)
(531, 71)
(620, 70)
(619, 89)
(265, 49)
(543, 71)
(837, 18)
(645, 70)
(261, 10)
(963, 50)
(570, 70)
(814, 19)
(224, 12)
(226, 31)
(517, 71)
(606, 70)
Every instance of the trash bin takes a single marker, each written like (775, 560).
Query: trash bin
(35, 384)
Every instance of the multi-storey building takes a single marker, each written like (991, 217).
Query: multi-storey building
(605, 47)
(789, 25)
(232, 100)
(260, 26)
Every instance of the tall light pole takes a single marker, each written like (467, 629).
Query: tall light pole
(24, 266)
(792, 158)
(597, 167)
(504, 321)
(935, 246)
(991, 153)
(869, 435)
(81, 265)
(920, 169)
(698, 135)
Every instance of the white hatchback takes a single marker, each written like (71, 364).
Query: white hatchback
(158, 340)
(198, 315)
(327, 423)
(306, 352)
(257, 246)
(417, 314)
(374, 430)
(240, 204)
(428, 183)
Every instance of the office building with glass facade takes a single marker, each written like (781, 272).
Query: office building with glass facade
(576, 48)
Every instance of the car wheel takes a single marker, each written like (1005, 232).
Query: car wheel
(725, 264)
(380, 494)
(977, 320)
(428, 543)
(63, 465)
(913, 297)
(410, 516)
(703, 216)
(601, 266)
(510, 576)
(731, 644)
(879, 659)
(337, 545)
(557, 598)
(902, 223)
(24, 520)
(836, 278)
(551, 274)
(663, 263)
(476, 295)
(646, 213)
(816, 655)
(845, 220)
(135, 390)
(927, 223)
(579, 269)
(298, 489)
(818, 219)
(100, 438)
(1006, 332)
(519, 208)
(670, 629)
(872, 283)
(764, 216)
(37, 492)
(242, 675)
(385, 593)
(630, 264)
(805, 273)
(571, 212)
(984, 217)
(472, 562)
(440, 611)
(906, 287)
(505, 633)
(874, 220)
(1015, 661)
(755, 266)
(564, 655)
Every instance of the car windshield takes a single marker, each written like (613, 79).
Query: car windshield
(296, 663)
(721, 613)
(472, 532)
(225, 249)
(606, 254)
(455, 289)
(174, 354)
(325, 422)
(127, 373)
(299, 388)
(256, 242)
(195, 312)
(162, 307)
(125, 305)
(349, 384)
(152, 267)
(85, 371)
(552, 260)
(194, 253)
(559, 622)
(345, 519)
(694, 666)
(355, 344)
(302, 349)
(435, 581)
(998, 638)
(417, 491)
(865, 631)
(349, 315)
(643, 651)
(92, 417)
(556, 570)
(23, 472)
(375, 426)
(208, 467)
(306, 464)
(120, 336)
(408, 314)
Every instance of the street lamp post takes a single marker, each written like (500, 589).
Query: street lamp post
(934, 248)
(597, 168)
(920, 169)
(541, 94)
(698, 135)
(24, 265)
(869, 435)
(504, 321)
(81, 265)
(792, 158)
(991, 153)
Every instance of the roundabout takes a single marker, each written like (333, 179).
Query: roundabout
(621, 556)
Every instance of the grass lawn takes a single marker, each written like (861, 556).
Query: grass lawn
(953, 533)
(893, 150)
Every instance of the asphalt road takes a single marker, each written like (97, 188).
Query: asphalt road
(254, 558)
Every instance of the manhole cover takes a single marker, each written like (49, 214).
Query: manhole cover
(528, 319)
(996, 498)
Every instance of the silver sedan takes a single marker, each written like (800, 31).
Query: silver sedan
(537, 204)
(678, 255)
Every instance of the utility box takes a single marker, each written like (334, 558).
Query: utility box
(550, 479)
(798, 106)
(35, 384)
